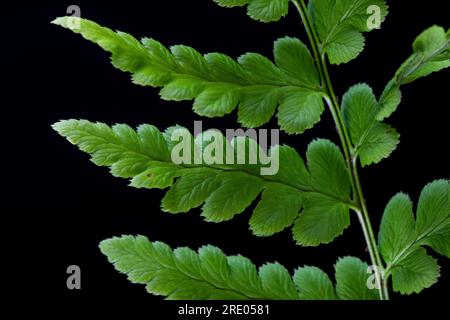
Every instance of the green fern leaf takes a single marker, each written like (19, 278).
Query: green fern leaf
(430, 54)
(183, 274)
(340, 24)
(373, 141)
(400, 238)
(144, 157)
(218, 84)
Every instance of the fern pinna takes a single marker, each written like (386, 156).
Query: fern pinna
(319, 186)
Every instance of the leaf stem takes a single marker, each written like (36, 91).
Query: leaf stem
(348, 149)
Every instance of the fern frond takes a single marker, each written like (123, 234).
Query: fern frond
(373, 140)
(401, 237)
(219, 84)
(340, 25)
(431, 53)
(182, 274)
(144, 157)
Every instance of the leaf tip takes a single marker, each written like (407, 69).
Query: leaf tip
(60, 126)
(58, 20)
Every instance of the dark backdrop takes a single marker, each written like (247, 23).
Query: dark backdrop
(57, 205)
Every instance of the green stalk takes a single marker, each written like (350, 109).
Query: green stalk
(348, 149)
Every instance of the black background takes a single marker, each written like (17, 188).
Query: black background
(57, 205)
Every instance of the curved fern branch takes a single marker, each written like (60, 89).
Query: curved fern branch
(218, 83)
(210, 274)
(145, 158)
